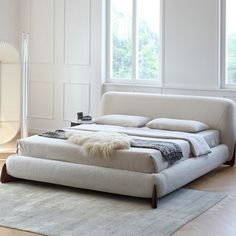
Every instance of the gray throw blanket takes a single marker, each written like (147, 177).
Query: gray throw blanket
(170, 151)
(58, 134)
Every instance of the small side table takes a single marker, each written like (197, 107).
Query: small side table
(78, 122)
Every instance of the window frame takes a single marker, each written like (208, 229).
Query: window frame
(134, 79)
(223, 48)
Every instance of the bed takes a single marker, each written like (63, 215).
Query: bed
(138, 172)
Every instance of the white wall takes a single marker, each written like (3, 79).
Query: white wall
(65, 71)
(9, 21)
(191, 44)
(66, 55)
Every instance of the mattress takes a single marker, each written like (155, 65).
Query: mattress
(133, 159)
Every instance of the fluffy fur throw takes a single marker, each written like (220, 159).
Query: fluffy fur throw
(100, 143)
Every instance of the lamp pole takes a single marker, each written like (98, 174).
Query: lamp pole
(24, 84)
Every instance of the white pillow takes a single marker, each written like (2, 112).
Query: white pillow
(122, 120)
(190, 126)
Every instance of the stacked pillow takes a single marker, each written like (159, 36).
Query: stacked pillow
(123, 120)
(190, 126)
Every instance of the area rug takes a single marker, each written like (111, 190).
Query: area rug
(61, 211)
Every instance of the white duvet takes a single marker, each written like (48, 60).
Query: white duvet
(197, 143)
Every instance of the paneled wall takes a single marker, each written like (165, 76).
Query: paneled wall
(9, 21)
(77, 32)
(65, 43)
(68, 56)
(191, 44)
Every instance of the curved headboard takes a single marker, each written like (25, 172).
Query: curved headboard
(218, 113)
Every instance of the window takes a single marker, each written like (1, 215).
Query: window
(230, 42)
(134, 40)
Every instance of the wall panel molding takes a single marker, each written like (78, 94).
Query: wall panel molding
(76, 97)
(42, 31)
(41, 100)
(77, 32)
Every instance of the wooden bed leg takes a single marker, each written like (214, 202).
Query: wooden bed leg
(5, 177)
(232, 161)
(154, 197)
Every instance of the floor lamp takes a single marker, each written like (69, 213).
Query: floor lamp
(24, 84)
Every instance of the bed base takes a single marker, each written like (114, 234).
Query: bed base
(232, 161)
(149, 186)
(5, 177)
(154, 197)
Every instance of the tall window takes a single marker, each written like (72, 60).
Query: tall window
(231, 42)
(134, 36)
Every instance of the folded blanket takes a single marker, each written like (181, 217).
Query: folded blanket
(59, 134)
(170, 151)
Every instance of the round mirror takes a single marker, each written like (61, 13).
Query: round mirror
(9, 92)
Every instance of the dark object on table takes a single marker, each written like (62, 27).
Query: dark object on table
(80, 122)
(87, 118)
(81, 119)
(80, 115)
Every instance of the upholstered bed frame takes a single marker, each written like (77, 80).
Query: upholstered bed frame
(218, 113)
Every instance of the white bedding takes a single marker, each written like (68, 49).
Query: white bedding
(212, 137)
(199, 145)
(133, 159)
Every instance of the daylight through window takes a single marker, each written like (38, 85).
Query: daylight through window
(134, 36)
(230, 42)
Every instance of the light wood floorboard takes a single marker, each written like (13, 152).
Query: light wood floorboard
(220, 220)
(14, 232)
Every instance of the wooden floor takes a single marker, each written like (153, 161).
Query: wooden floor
(219, 220)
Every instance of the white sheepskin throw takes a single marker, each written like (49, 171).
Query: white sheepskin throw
(102, 144)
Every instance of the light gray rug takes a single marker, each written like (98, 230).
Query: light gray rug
(56, 210)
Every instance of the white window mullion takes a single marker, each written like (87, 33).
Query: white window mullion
(222, 53)
(134, 41)
(229, 40)
(109, 41)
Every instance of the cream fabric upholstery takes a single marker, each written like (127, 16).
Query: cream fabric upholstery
(186, 171)
(81, 176)
(218, 113)
(113, 180)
